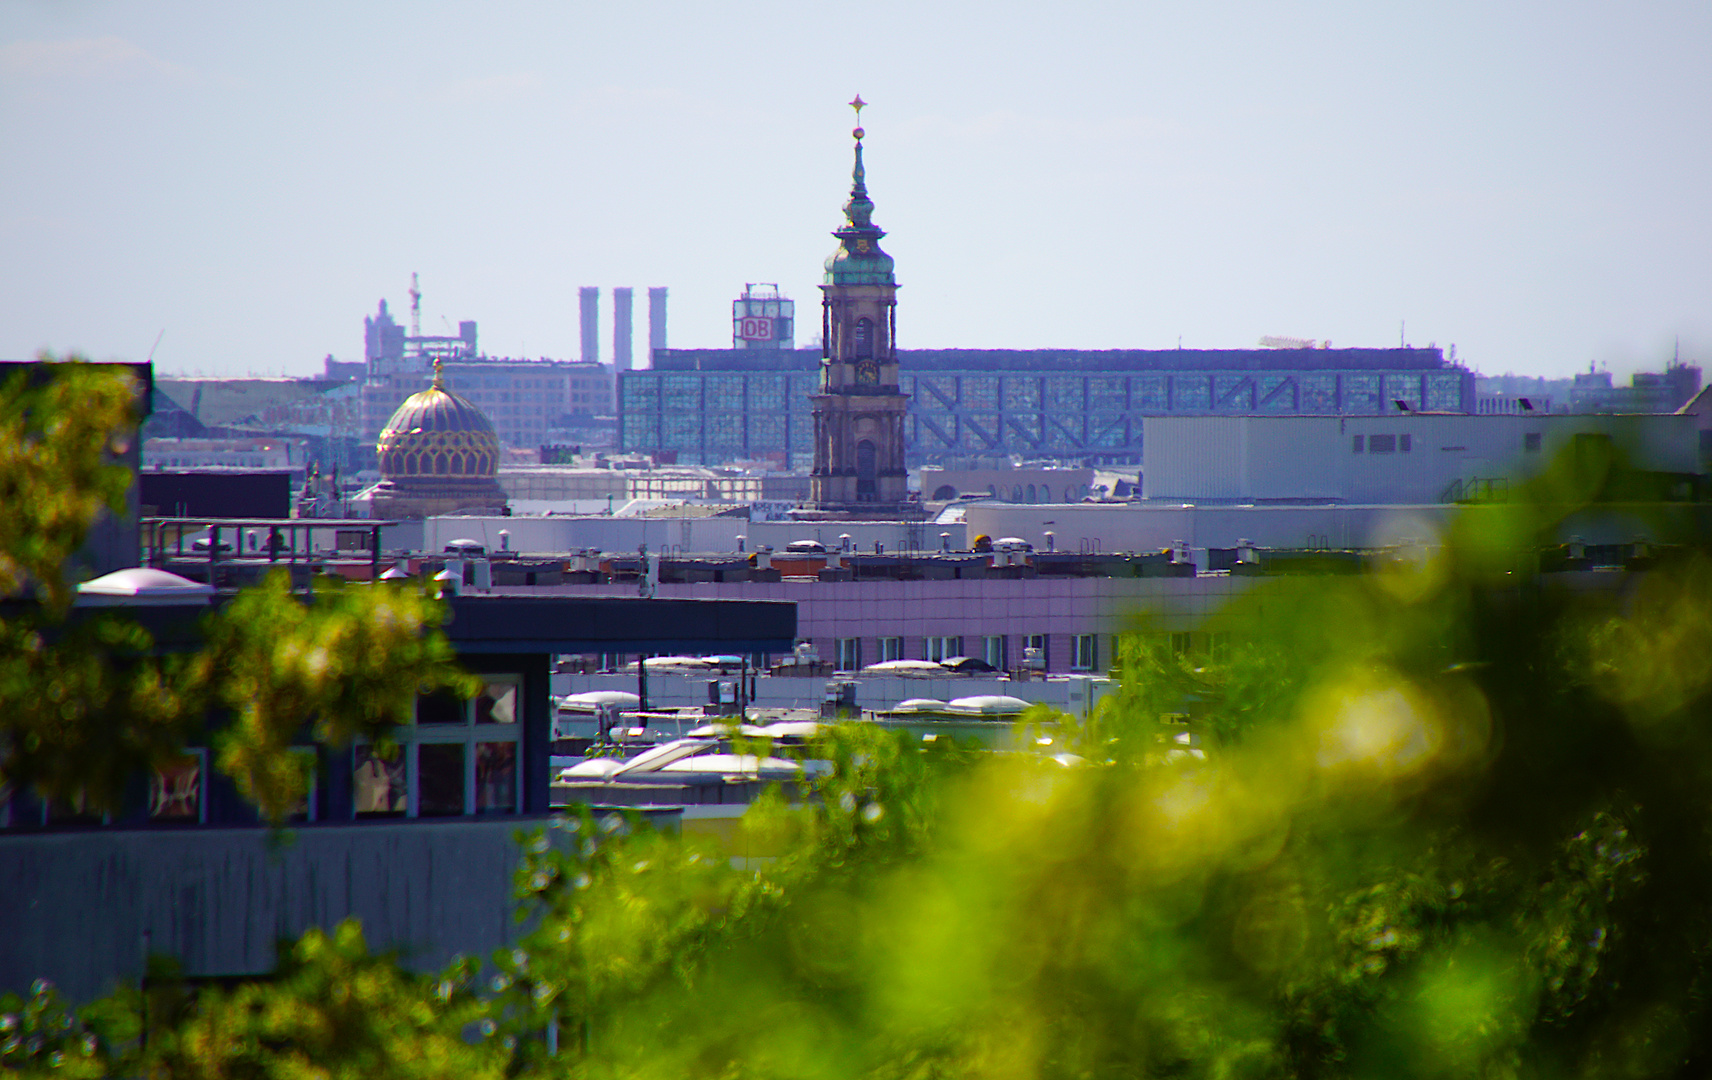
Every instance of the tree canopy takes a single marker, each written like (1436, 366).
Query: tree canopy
(1444, 819)
(86, 703)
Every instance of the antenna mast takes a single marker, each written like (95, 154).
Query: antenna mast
(415, 308)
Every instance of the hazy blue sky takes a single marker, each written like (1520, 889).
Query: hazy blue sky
(1526, 180)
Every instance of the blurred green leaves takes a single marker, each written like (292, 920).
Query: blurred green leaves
(88, 704)
(61, 428)
(348, 663)
(1448, 818)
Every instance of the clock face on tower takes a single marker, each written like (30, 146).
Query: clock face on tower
(867, 373)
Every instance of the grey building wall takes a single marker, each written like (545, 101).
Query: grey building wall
(1156, 526)
(83, 908)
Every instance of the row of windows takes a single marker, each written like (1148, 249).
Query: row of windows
(853, 654)
(458, 758)
(1402, 444)
(1018, 493)
(1087, 652)
(1382, 444)
(1317, 392)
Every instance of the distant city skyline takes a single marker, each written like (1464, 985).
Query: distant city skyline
(1523, 180)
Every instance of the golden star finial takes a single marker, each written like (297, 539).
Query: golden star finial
(858, 104)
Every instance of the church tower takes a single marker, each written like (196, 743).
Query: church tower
(859, 412)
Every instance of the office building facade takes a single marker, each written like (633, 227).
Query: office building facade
(709, 406)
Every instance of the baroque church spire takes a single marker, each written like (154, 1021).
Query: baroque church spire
(859, 409)
(859, 260)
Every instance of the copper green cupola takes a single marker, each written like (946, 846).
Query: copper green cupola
(859, 260)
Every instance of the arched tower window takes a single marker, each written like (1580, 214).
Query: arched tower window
(865, 469)
(863, 339)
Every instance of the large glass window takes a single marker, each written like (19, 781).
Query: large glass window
(1317, 393)
(1444, 391)
(640, 391)
(725, 430)
(1233, 393)
(379, 783)
(1035, 651)
(1149, 393)
(941, 648)
(75, 810)
(862, 339)
(1086, 656)
(1404, 388)
(441, 789)
(849, 654)
(933, 395)
(1191, 393)
(680, 393)
(175, 789)
(993, 651)
(891, 648)
(1106, 393)
(1360, 393)
(459, 757)
(496, 777)
(802, 433)
(1065, 393)
(681, 430)
(1107, 432)
(980, 392)
(766, 432)
(725, 391)
(767, 392)
(1275, 394)
(1022, 394)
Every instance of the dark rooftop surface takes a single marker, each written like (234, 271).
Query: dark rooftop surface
(926, 361)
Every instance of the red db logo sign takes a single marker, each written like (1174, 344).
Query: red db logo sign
(755, 329)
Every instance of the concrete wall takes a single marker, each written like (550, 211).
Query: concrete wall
(1058, 607)
(83, 907)
(558, 535)
(1154, 527)
(1265, 458)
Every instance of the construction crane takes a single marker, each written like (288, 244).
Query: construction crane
(415, 307)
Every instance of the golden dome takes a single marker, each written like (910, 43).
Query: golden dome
(437, 434)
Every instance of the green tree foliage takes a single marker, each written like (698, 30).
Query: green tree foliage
(353, 659)
(1448, 818)
(59, 436)
(332, 1010)
(86, 704)
(1446, 821)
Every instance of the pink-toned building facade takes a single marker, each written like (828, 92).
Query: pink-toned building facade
(1073, 619)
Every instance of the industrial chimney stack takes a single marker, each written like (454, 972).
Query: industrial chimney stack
(656, 321)
(589, 296)
(623, 320)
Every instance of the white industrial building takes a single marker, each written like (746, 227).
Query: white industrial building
(1407, 458)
